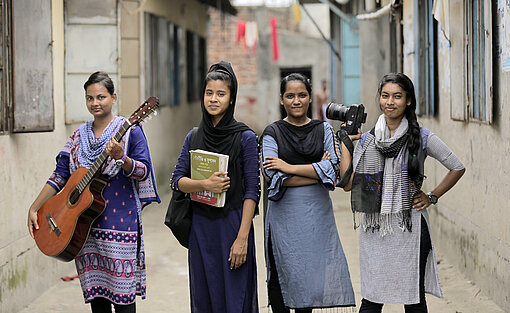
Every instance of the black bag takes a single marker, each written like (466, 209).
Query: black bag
(178, 216)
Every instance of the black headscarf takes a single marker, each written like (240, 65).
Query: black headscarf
(298, 144)
(224, 138)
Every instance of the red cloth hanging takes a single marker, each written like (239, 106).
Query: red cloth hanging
(241, 30)
(274, 39)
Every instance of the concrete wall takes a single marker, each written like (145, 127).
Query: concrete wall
(470, 223)
(27, 159)
(167, 130)
(375, 62)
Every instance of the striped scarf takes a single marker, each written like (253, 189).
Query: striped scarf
(381, 187)
(91, 147)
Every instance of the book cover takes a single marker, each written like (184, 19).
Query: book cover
(203, 164)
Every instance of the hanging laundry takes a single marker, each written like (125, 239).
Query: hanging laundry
(296, 10)
(241, 30)
(251, 36)
(274, 39)
(440, 9)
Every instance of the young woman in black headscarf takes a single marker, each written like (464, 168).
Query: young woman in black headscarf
(221, 255)
(307, 268)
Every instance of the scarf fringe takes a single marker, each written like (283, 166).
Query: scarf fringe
(383, 222)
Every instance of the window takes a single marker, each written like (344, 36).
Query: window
(426, 65)
(471, 61)
(162, 61)
(91, 44)
(26, 95)
(195, 65)
(479, 65)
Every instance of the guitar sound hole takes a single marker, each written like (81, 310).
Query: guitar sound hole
(75, 195)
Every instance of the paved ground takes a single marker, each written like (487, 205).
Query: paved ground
(167, 280)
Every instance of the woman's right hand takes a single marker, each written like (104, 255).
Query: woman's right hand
(326, 156)
(353, 137)
(356, 137)
(46, 193)
(218, 182)
(32, 221)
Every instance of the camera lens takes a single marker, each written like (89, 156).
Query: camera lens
(335, 111)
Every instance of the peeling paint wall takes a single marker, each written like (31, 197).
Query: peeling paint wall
(470, 223)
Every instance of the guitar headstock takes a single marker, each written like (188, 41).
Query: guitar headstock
(150, 105)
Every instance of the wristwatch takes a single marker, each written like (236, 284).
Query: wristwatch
(432, 197)
(121, 161)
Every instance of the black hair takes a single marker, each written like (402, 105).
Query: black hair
(219, 75)
(102, 78)
(292, 77)
(414, 142)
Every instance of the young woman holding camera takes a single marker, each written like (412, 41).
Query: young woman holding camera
(306, 264)
(397, 259)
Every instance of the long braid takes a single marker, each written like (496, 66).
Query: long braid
(413, 145)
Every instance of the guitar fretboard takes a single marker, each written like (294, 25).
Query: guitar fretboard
(101, 159)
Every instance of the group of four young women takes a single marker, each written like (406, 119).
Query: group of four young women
(301, 160)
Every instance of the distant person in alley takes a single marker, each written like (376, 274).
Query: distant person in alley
(306, 264)
(321, 101)
(221, 255)
(398, 263)
(111, 265)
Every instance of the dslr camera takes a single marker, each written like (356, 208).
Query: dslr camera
(352, 115)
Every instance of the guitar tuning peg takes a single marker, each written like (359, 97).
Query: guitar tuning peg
(155, 113)
(150, 117)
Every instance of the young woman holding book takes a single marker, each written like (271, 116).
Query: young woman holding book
(221, 255)
(306, 264)
(397, 259)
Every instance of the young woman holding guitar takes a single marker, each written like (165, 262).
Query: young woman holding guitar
(111, 265)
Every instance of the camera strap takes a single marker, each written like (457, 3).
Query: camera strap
(344, 137)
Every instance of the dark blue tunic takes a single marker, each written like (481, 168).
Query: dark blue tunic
(214, 287)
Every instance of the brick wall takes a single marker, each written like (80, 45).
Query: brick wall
(222, 40)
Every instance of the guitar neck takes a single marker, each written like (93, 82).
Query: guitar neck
(101, 159)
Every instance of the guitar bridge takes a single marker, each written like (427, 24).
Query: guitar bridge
(53, 225)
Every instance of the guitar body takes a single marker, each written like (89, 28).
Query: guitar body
(66, 218)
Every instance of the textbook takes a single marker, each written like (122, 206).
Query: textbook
(203, 164)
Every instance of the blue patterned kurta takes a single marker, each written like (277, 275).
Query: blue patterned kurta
(311, 265)
(112, 262)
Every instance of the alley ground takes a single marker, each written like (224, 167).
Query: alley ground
(167, 280)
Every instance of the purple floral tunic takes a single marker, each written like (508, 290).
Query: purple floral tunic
(112, 262)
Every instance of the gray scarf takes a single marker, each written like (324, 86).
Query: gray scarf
(381, 188)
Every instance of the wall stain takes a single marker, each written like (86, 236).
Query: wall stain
(468, 244)
(17, 277)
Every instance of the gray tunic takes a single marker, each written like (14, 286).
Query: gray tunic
(311, 265)
(390, 264)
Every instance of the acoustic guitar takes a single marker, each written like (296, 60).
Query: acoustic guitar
(66, 218)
